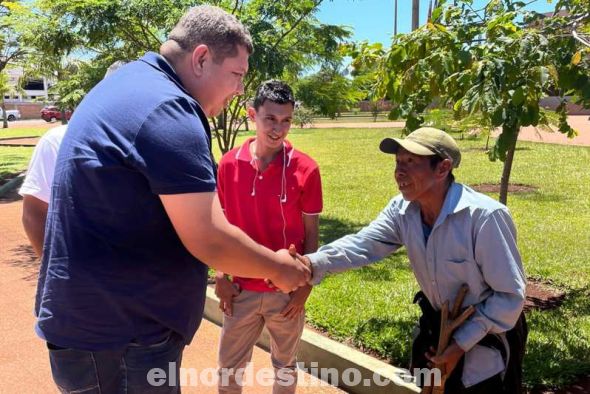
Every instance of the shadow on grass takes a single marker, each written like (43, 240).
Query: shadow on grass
(558, 348)
(24, 257)
(386, 270)
(542, 197)
(394, 348)
(9, 189)
(331, 229)
(534, 196)
(11, 196)
(6, 176)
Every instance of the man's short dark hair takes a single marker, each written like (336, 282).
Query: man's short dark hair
(214, 27)
(276, 91)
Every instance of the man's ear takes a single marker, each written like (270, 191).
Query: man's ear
(444, 167)
(201, 54)
(252, 114)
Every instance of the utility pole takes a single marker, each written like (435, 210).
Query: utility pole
(415, 14)
(395, 18)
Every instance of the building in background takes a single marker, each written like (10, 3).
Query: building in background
(32, 90)
(30, 97)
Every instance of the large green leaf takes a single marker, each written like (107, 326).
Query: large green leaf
(518, 96)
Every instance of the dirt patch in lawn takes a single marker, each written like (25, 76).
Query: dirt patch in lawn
(541, 296)
(512, 188)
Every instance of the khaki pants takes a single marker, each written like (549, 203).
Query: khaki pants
(251, 312)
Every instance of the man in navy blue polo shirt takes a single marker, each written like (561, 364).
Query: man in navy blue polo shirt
(134, 214)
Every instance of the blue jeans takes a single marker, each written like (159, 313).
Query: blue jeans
(133, 370)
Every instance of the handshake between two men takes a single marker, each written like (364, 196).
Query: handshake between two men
(289, 279)
(291, 271)
(292, 275)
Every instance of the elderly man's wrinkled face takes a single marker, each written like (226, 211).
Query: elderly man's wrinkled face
(414, 176)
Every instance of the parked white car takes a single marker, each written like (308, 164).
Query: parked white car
(11, 114)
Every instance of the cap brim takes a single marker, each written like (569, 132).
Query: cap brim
(391, 145)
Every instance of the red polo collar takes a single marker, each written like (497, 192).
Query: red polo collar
(243, 154)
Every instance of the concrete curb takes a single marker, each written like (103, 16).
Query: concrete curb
(11, 184)
(18, 138)
(318, 352)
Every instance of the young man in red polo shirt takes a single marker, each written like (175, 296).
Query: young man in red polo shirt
(272, 192)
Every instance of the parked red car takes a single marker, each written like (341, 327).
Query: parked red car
(52, 113)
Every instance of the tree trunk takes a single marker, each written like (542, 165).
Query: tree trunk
(235, 126)
(64, 119)
(395, 18)
(220, 124)
(222, 130)
(4, 116)
(507, 169)
(415, 14)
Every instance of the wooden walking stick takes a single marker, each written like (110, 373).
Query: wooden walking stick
(448, 324)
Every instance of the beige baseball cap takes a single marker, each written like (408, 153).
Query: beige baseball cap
(425, 141)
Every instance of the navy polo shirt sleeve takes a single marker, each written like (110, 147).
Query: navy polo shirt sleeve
(172, 150)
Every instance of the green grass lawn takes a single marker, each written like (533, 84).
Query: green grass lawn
(371, 307)
(14, 160)
(22, 132)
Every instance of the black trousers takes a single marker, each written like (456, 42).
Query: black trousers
(429, 326)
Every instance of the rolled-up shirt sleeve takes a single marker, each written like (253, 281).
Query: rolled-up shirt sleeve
(498, 258)
(374, 242)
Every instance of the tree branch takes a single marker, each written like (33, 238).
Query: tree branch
(236, 4)
(8, 58)
(476, 12)
(233, 142)
(579, 38)
(148, 33)
(294, 26)
(131, 35)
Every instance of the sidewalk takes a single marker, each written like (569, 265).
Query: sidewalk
(24, 365)
(581, 123)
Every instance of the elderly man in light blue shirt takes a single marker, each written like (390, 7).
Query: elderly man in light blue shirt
(453, 236)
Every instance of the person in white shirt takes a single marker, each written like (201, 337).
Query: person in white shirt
(36, 187)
